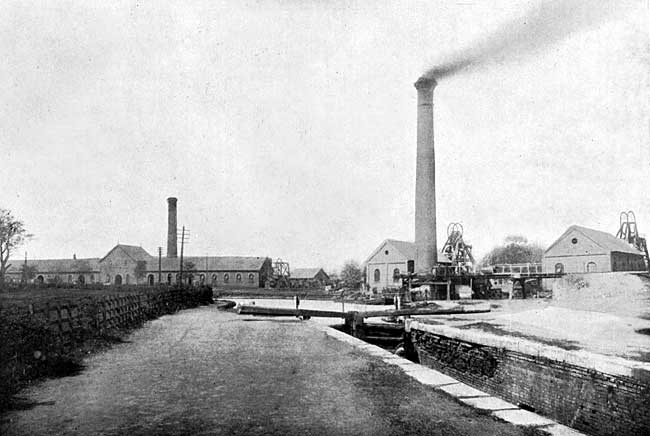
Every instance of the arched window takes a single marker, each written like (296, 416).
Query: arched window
(81, 279)
(377, 275)
(108, 278)
(559, 268)
(238, 278)
(251, 278)
(202, 279)
(396, 276)
(118, 279)
(226, 278)
(40, 279)
(92, 278)
(214, 279)
(128, 279)
(169, 278)
(150, 279)
(591, 267)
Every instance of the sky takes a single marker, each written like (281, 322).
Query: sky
(288, 128)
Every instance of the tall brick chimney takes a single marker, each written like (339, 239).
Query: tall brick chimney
(426, 254)
(172, 247)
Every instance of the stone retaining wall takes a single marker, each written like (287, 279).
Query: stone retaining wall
(604, 397)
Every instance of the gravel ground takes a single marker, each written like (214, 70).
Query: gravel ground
(202, 371)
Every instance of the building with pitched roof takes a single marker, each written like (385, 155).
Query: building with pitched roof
(130, 264)
(584, 250)
(384, 266)
(308, 278)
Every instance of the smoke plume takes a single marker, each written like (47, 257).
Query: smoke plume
(545, 24)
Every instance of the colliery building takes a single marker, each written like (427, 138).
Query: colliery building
(129, 264)
(584, 250)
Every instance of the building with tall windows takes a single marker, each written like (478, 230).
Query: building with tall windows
(386, 263)
(130, 264)
(584, 250)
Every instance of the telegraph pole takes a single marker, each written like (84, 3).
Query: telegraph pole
(183, 241)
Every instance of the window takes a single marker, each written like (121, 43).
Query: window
(128, 279)
(559, 268)
(377, 275)
(169, 279)
(69, 278)
(126, 262)
(92, 278)
(590, 267)
(251, 278)
(226, 278)
(386, 252)
(396, 276)
(214, 279)
(108, 278)
(574, 241)
(202, 279)
(238, 278)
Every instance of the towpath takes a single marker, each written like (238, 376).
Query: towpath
(202, 371)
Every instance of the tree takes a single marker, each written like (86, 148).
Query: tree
(12, 236)
(515, 249)
(351, 274)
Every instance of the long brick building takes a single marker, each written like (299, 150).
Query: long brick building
(130, 264)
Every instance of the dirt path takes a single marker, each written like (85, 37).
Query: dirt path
(202, 371)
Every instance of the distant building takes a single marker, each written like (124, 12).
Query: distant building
(387, 262)
(584, 250)
(129, 264)
(308, 278)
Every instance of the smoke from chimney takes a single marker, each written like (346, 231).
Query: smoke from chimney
(426, 254)
(545, 24)
(172, 231)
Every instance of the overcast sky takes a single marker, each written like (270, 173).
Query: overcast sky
(287, 128)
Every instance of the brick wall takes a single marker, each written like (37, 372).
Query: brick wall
(586, 399)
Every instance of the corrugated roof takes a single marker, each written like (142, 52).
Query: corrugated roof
(604, 240)
(214, 263)
(57, 265)
(305, 273)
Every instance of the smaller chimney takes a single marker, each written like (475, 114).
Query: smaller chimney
(172, 247)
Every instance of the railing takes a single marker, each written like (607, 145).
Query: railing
(508, 269)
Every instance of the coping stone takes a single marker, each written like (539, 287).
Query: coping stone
(488, 403)
(462, 390)
(522, 417)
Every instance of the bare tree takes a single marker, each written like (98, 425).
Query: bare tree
(12, 235)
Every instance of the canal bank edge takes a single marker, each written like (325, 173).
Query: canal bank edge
(462, 392)
(597, 394)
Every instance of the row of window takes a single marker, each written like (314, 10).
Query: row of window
(589, 267)
(396, 275)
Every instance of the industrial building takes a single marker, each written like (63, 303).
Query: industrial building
(584, 250)
(308, 278)
(387, 262)
(129, 264)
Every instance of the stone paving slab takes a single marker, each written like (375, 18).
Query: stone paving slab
(461, 390)
(430, 377)
(522, 417)
(560, 430)
(488, 403)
